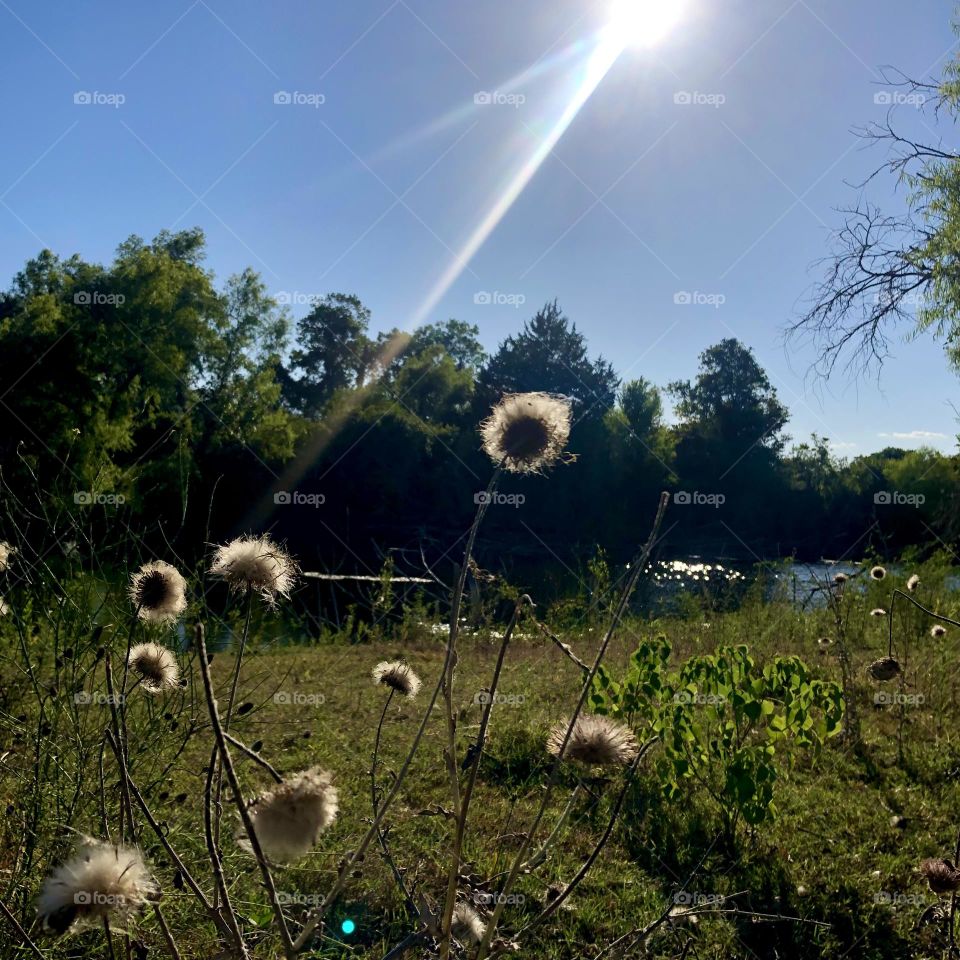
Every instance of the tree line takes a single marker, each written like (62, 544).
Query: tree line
(142, 393)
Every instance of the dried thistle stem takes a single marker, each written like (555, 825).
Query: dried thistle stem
(231, 773)
(165, 843)
(218, 795)
(461, 826)
(317, 916)
(555, 904)
(620, 609)
(20, 932)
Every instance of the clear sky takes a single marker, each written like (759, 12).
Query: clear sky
(710, 165)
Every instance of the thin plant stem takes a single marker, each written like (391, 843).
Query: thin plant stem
(119, 720)
(102, 796)
(451, 717)
(953, 903)
(123, 680)
(218, 794)
(109, 937)
(315, 918)
(165, 929)
(555, 904)
(565, 648)
(165, 843)
(228, 768)
(619, 611)
(220, 888)
(461, 827)
(253, 755)
(20, 932)
(376, 752)
(374, 802)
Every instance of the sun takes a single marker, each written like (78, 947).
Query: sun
(643, 23)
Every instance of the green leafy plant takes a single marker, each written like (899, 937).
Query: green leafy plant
(721, 719)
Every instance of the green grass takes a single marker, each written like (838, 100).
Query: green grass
(831, 857)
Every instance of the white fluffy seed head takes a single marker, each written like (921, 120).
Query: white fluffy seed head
(878, 612)
(4, 609)
(99, 881)
(6, 552)
(466, 925)
(158, 592)
(155, 666)
(527, 432)
(397, 676)
(594, 740)
(878, 572)
(913, 582)
(258, 564)
(938, 631)
(289, 818)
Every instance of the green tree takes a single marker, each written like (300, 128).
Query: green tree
(731, 400)
(891, 274)
(332, 352)
(550, 354)
(459, 339)
(132, 378)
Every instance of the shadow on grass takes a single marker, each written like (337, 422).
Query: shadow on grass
(834, 919)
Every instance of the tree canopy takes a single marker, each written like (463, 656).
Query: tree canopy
(146, 388)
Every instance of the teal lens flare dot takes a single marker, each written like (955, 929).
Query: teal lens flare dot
(348, 926)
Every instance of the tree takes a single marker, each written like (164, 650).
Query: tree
(140, 378)
(459, 339)
(333, 352)
(731, 400)
(550, 354)
(241, 390)
(728, 445)
(642, 406)
(890, 272)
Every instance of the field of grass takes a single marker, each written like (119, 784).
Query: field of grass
(834, 874)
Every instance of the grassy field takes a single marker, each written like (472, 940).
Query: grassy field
(835, 874)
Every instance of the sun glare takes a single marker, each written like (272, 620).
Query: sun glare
(643, 23)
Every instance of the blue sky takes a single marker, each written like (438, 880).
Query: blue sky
(375, 173)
